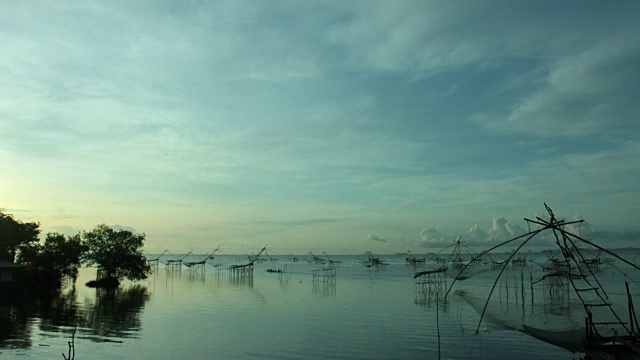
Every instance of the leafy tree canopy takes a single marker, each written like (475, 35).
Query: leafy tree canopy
(116, 253)
(58, 256)
(14, 233)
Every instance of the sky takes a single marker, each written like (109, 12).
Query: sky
(337, 126)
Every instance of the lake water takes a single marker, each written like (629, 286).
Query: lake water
(207, 313)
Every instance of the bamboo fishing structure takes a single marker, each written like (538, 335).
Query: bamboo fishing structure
(316, 260)
(196, 265)
(413, 260)
(556, 288)
(246, 269)
(455, 266)
(331, 261)
(429, 285)
(324, 274)
(270, 258)
(155, 261)
(372, 260)
(177, 263)
(520, 261)
(586, 287)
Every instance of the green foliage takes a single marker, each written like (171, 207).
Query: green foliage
(116, 253)
(14, 233)
(58, 256)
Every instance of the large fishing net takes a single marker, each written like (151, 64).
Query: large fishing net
(570, 308)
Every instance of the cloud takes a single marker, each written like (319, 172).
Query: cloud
(476, 234)
(123, 228)
(500, 231)
(65, 230)
(374, 237)
(503, 230)
(430, 237)
(583, 94)
(418, 37)
(230, 110)
(582, 229)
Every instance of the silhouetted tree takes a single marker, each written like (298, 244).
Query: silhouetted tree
(14, 233)
(116, 253)
(58, 256)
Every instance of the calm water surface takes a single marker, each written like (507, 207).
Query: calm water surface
(365, 313)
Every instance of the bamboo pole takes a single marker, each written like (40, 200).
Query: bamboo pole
(498, 278)
(530, 234)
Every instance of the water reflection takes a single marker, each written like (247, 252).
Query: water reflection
(109, 314)
(240, 279)
(59, 311)
(430, 286)
(173, 271)
(18, 316)
(324, 288)
(285, 281)
(273, 310)
(114, 314)
(14, 328)
(196, 274)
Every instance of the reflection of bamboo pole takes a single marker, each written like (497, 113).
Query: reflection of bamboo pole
(515, 288)
(438, 323)
(531, 283)
(506, 287)
(522, 291)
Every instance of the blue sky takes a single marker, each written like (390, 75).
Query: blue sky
(338, 126)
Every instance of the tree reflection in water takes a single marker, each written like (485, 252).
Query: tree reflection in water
(113, 315)
(14, 327)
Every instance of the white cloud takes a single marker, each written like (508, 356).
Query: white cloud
(477, 234)
(374, 237)
(503, 230)
(584, 94)
(431, 238)
(583, 229)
